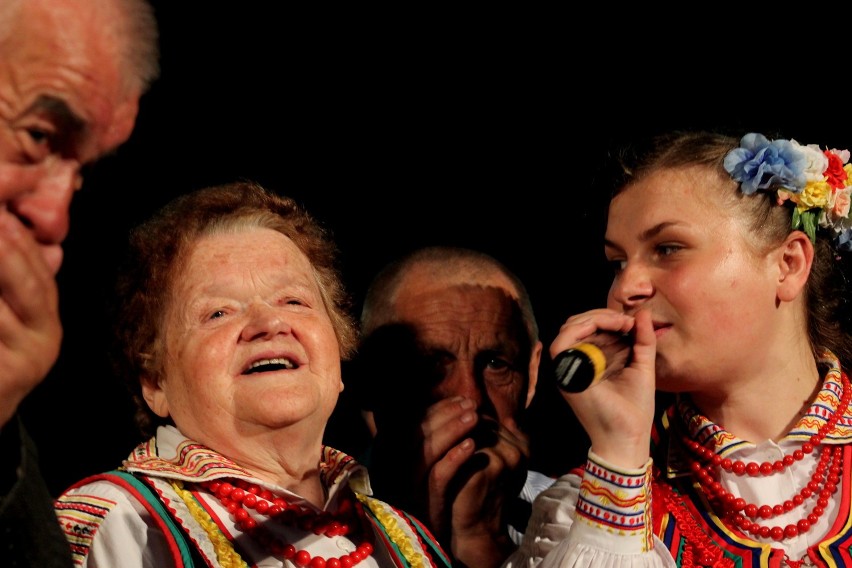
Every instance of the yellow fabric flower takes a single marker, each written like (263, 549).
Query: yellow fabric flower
(815, 194)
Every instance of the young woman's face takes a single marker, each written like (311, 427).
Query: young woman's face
(679, 250)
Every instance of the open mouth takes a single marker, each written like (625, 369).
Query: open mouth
(269, 365)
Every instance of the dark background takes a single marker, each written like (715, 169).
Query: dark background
(396, 130)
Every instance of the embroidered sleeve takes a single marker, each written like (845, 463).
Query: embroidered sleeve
(106, 527)
(613, 528)
(617, 502)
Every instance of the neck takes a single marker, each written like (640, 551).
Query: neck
(766, 404)
(283, 457)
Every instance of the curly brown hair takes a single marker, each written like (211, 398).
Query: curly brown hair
(158, 249)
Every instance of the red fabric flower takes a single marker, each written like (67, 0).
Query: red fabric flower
(835, 175)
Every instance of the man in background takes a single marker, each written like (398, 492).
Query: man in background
(447, 365)
(72, 73)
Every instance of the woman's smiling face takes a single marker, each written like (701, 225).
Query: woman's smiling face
(249, 343)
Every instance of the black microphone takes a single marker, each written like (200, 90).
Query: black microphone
(579, 367)
(586, 363)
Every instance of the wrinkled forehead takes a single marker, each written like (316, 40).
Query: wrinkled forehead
(428, 278)
(68, 54)
(465, 320)
(461, 305)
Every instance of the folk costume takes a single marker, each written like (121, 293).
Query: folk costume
(708, 498)
(177, 503)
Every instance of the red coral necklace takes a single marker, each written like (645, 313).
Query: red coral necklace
(736, 513)
(240, 497)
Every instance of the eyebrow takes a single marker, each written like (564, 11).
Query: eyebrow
(647, 234)
(70, 125)
(60, 111)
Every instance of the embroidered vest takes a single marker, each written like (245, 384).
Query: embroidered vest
(185, 554)
(677, 521)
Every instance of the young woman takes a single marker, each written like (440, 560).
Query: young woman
(728, 292)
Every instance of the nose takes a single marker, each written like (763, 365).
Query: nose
(632, 286)
(460, 380)
(44, 210)
(264, 322)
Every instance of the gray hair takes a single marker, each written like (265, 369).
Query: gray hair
(142, 54)
(131, 22)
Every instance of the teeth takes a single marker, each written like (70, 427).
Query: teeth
(286, 363)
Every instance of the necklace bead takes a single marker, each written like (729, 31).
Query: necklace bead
(737, 512)
(237, 499)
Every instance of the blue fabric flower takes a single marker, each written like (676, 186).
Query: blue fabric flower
(761, 164)
(844, 241)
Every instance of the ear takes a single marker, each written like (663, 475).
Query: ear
(535, 360)
(123, 122)
(155, 396)
(794, 265)
(370, 421)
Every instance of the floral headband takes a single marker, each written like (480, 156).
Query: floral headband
(818, 182)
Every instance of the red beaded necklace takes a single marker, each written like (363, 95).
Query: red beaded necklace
(241, 496)
(699, 549)
(736, 512)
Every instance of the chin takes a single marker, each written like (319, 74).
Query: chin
(666, 379)
(677, 377)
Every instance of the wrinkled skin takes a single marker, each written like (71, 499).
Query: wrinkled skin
(449, 446)
(63, 104)
(245, 299)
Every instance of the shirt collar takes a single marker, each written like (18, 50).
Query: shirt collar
(715, 437)
(194, 462)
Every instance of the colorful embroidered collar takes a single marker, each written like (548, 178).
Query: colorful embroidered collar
(714, 436)
(196, 463)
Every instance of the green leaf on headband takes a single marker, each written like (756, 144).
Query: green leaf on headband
(809, 222)
(806, 221)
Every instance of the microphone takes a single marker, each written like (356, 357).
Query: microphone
(580, 367)
(586, 364)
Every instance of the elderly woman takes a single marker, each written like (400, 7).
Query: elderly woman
(232, 322)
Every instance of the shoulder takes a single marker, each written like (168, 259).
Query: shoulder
(83, 508)
(404, 534)
(102, 515)
(102, 491)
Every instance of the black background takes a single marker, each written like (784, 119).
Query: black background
(396, 130)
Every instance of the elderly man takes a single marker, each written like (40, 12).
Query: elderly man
(448, 364)
(71, 76)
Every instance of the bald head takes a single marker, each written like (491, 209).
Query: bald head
(439, 268)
